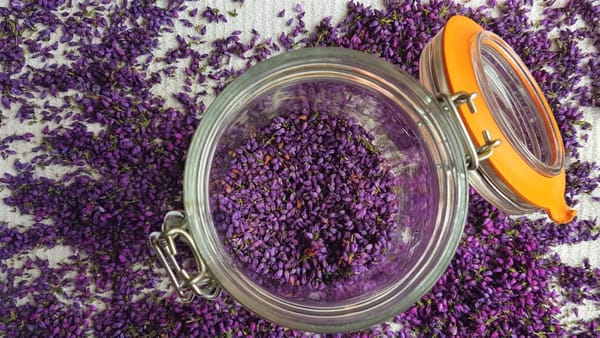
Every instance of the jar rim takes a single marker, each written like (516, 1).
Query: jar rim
(311, 63)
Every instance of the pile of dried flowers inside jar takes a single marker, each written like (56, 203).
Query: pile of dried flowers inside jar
(308, 200)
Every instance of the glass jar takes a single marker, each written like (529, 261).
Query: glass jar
(482, 119)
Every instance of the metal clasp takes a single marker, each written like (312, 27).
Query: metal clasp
(201, 284)
(474, 156)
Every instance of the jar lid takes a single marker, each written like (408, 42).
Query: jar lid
(507, 118)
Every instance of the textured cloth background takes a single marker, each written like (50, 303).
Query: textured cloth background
(262, 15)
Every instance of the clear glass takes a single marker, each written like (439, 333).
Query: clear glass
(408, 127)
(515, 102)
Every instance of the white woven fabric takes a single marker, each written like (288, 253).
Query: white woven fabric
(262, 15)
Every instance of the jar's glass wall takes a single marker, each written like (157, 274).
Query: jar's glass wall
(516, 104)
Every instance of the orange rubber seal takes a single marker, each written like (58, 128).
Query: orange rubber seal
(536, 188)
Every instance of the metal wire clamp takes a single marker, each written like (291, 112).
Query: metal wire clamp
(474, 156)
(187, 286)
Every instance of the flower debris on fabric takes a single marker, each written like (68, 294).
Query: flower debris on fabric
(81, 77)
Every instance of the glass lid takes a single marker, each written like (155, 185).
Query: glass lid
(508, 119)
